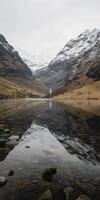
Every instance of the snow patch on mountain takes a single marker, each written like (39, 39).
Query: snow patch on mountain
(76, 47)
(32, 61)
(76, 64)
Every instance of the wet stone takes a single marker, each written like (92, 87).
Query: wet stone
(46, 195)
(7, 131)
(28, 147)
(14, 137)
(11, 173)
(58, 192)
(1, 129)
(3, 181)
(68, 192)
(49, 173)
(13, 140)
(83, 197)
(3, 141)
(1, 125)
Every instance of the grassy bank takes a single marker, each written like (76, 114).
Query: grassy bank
(91, 91)
(9, 89)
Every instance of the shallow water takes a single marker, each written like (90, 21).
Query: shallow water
(48, 133)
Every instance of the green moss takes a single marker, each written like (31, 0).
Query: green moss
(46, 195)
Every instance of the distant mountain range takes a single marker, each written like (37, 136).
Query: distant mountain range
(33, 62)
(16, 79)
(73, 73)
(76, 66)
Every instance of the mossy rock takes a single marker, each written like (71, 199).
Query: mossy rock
(49, 173)
(83, 197)
(46, 196)
(68, 191)
(54, 193)
(58, 192)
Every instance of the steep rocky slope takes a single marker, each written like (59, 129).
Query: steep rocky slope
(77, 64)
(15, 76)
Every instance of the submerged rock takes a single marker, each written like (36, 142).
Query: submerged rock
(13, 140)
(49, 173)
(3, 141)
(4, 130)
(7, 131)
(1, 126)
(46, 195)
(88, 188)
(58, 193)
(14, 137)
(68, 192)
(1, 129)
(83, 197)
(11, 173)
(28, 147)
(3, 181)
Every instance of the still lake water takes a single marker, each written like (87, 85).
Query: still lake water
(46, 133)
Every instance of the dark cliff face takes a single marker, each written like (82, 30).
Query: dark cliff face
(94, 71)
(16, 79)
(76, 65)
(11, 65)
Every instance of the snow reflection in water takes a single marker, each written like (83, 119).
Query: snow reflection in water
(39, 148)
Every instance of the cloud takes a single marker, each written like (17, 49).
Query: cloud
(46, 25)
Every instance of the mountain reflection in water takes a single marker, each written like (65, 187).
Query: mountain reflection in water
(57, 134)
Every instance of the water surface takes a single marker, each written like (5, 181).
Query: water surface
(48, 133)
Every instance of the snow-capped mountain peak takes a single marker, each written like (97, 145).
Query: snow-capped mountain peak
(75, 47)
(76, 64)
(32, 61)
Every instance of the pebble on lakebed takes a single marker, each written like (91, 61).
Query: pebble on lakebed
(11, 173)
(28, 147)
(49, 173)
(3, 181)
(7, 130)
(4, 130)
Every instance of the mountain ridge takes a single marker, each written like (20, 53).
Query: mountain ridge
(76, 65)
(34, 62)
(15, 72)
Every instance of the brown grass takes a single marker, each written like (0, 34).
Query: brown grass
(11, 89)
(91, 91)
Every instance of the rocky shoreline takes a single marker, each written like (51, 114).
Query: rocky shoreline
(47, 189)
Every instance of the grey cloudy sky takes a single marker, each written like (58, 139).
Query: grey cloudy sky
(46, 25)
